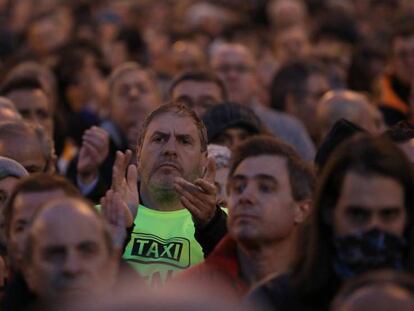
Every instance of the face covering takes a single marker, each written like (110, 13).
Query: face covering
(374, 249)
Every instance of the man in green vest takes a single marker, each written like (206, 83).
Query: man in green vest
(177, 220)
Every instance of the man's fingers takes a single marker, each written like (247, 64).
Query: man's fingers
(207, 187)
(190, 207)
(132, 175)
(186, 185)
(210, 174)
(189, 196)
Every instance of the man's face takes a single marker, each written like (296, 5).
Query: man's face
(198, 95)
(27, 151)
(70, 257)
(171, 148)
(133, 97)
(368, 202)
(291, 44)
(261, 206)
(235, 67)
(24, 208)
(231, 137)
(403, 58)
(34, 106)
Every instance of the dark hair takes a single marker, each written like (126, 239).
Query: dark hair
(291, 79)
(228, 115)
(179, 110)
(403, 27)
(313, 273)
(21, 83)
(301, 174)
(400, 132)
(135, 45)
(200, 76)
(337, 24)
(39, 182)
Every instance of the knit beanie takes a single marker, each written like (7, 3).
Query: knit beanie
(228, 115)
(11, 168)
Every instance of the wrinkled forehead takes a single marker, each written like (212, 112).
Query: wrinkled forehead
(234, 54)
(131, 76)
(172, 123)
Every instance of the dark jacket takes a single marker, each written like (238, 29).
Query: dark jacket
(278, 294)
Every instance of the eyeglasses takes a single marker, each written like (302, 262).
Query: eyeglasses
(240, 68)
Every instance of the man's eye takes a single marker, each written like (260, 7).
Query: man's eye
(390, 214)
(19, 228)
(266, 187)
(358, 215)
(185, 141)
(158, 139)
(42, 114)
(237, 187)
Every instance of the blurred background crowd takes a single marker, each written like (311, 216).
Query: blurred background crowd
(79, 79)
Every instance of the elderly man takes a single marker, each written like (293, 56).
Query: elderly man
(270, 189)
(69, 254)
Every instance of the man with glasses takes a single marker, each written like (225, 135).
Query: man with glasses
(199, 90)
(236, 66)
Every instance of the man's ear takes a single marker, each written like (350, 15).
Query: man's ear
(302, 210)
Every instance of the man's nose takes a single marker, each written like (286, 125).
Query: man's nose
(170, 146)
(71, 264)
(248, 196)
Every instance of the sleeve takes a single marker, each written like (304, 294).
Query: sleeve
(210, 235)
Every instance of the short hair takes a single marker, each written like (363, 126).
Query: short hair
(400, 132)
(301, 174)
(291, 79)
(13, 130)
(177, 109)
(21, 83)
(39, 182)
(200, 76)
(29, 243)
(313, 272)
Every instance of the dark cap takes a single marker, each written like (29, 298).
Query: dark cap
(228, 115)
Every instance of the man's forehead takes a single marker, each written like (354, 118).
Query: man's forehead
(271, 165)
(233, 54)
(171, 122)
(69, 219)
(132, 76)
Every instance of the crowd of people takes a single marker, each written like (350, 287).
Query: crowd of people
(207, 155)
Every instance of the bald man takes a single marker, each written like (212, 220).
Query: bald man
(349, 105)
(69, 253)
